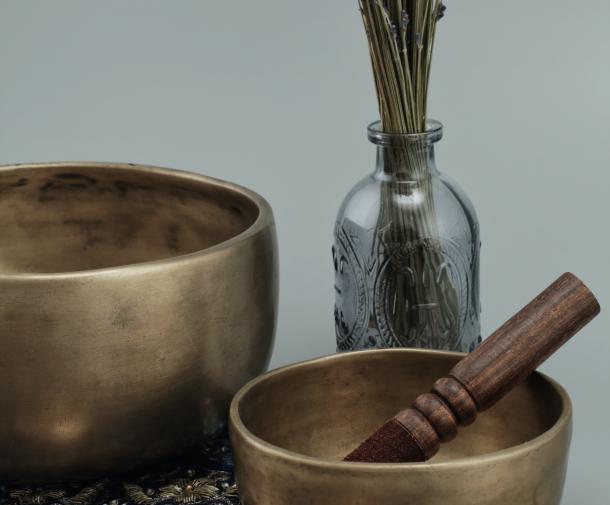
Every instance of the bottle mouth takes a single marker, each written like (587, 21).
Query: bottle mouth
(433, 133)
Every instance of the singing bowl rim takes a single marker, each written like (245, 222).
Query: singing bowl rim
(262, 220)
(236, 424)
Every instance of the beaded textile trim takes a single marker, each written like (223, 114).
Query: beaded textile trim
(202, 478)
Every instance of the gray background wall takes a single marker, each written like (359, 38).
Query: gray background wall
(276, 94)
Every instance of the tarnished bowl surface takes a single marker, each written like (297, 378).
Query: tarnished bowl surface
(291, 427)
(134, 302)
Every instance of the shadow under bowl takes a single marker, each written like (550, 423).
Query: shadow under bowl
(291, 428)
(134, 302)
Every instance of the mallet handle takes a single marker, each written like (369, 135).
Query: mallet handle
(502, 361)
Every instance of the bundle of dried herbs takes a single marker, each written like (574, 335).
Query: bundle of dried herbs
(419, 299)
(401, 37)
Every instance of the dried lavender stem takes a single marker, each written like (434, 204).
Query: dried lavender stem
(401, 37)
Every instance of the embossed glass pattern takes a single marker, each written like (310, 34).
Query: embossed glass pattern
(406, 253)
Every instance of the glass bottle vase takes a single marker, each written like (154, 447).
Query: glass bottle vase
(406, 253)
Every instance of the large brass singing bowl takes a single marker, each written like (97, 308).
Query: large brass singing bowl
(291, 427)
(134, 302)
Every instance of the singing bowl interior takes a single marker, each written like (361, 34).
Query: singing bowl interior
(307, 417)
(68, 218)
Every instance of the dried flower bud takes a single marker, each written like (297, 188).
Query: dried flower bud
(441, 11)
(404, 20)
(394, 30)
(418, 40)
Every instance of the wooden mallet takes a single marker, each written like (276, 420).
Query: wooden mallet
(483, 377)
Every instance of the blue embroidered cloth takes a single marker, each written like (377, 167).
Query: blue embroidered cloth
(204, 477)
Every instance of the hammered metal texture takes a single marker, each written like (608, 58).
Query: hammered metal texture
(134, 302)
(291, 428)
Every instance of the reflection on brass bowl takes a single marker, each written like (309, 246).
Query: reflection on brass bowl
(291, 427)
(134, 302)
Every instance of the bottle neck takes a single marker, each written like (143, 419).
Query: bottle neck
(411, 161)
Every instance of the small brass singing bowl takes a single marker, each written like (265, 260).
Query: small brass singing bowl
(291, 428)
(134, 302)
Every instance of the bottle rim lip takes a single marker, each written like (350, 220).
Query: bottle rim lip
(433, 133)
